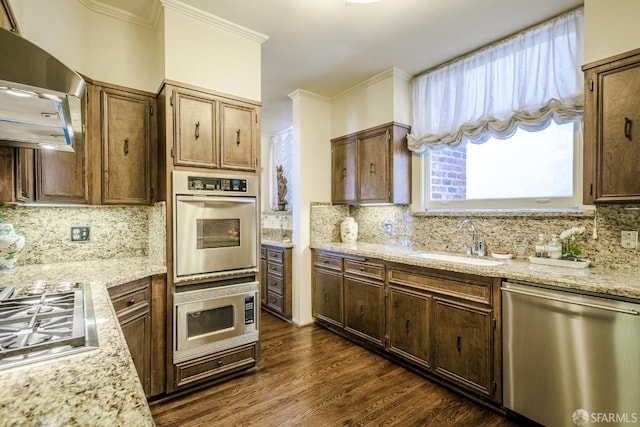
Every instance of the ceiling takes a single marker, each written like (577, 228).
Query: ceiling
(327, 46)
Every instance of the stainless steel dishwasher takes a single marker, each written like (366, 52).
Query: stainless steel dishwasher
(570, 359)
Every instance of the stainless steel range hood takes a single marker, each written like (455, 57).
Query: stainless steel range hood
(39, 98)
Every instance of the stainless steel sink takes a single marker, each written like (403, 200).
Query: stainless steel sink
(460, 259)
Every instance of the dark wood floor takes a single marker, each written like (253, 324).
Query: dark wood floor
(311, 377)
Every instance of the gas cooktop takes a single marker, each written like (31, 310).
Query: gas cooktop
(45, 321)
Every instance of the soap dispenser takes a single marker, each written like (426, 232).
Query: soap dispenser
(555, 247)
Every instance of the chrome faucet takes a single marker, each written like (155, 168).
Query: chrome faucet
(476, 247)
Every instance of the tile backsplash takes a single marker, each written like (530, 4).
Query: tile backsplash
(511, 231)
(115, 232)
(277, 225)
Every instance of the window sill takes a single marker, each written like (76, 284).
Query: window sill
(581, 212)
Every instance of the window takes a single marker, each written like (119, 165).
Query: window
(501, 127)
(528, 170)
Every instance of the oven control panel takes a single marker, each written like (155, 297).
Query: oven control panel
(235, 185)
(249, 310)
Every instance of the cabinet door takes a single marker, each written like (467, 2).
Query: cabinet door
(343, 171)
(620, 149)
(409, 325)
(137, 332)
(126, 148)
(195, 121)
(7, 176)
(60, 176)
(373, 167)
(328, 296)
(463, 345)
(263, 281)
(25, 175)
(363, 310)
(238, 137)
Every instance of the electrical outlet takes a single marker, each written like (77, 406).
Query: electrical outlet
(79, 234)
(629, 239)
(387, 227)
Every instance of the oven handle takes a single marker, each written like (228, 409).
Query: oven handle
(215, 199)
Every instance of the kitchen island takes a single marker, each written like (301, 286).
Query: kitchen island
(97, 387)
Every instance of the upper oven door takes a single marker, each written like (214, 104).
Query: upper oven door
(213, 234)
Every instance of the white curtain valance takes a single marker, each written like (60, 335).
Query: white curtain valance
(525, 81)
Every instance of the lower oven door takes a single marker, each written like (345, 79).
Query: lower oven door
(214, 234)
(214, 319)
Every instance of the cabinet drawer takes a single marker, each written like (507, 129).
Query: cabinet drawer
(275, 255)
(130, 295)
(275, 284)
(326, 261)
(472, 288)
(206, 367)
(275, 269)
(275, 301)
(362, 268)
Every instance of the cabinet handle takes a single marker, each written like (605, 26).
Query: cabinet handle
(126, 146)
(238, 137)
(627, 128)
(406, 326)
(197, 130)
(344, 172)
(326, 297)
(372, 168)
(361, 309)
(459, 344)
(132, 301)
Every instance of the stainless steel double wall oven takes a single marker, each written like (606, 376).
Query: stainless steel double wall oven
(215, 223)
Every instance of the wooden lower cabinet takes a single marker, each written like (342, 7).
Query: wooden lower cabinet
(462, 345)
(409, 317)
(364, 309)
(326, 280)
(444, 324)
(276, 280)
(132, 302)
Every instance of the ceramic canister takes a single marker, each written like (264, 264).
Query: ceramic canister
(11, 245)
(349, 230)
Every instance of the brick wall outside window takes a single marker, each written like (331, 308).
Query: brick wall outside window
(449, 173)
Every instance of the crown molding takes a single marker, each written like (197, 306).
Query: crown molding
(389, 72)
(150, 21)
(298, 93)
(200, 15)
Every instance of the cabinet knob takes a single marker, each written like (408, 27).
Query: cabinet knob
(344, 172)
(361, 268)
(132, 301)
(372, 168)
(126, 146)
(219, 363)
(197, 130)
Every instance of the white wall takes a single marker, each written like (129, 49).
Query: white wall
(381, 99)
(201, 52)
(610, 27)
(265, 172)
(312, 171)
(99, 46)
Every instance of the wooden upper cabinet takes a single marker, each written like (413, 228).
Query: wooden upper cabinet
(380, 170)
(343, 174)
(127, 133)
(238, 137)
(61, 177)
(195, 130)
(212, 130)
(612, 130)
(373, 166)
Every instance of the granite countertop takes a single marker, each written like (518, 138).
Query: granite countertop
(593, 279)
(98, 387)
(278, 243)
